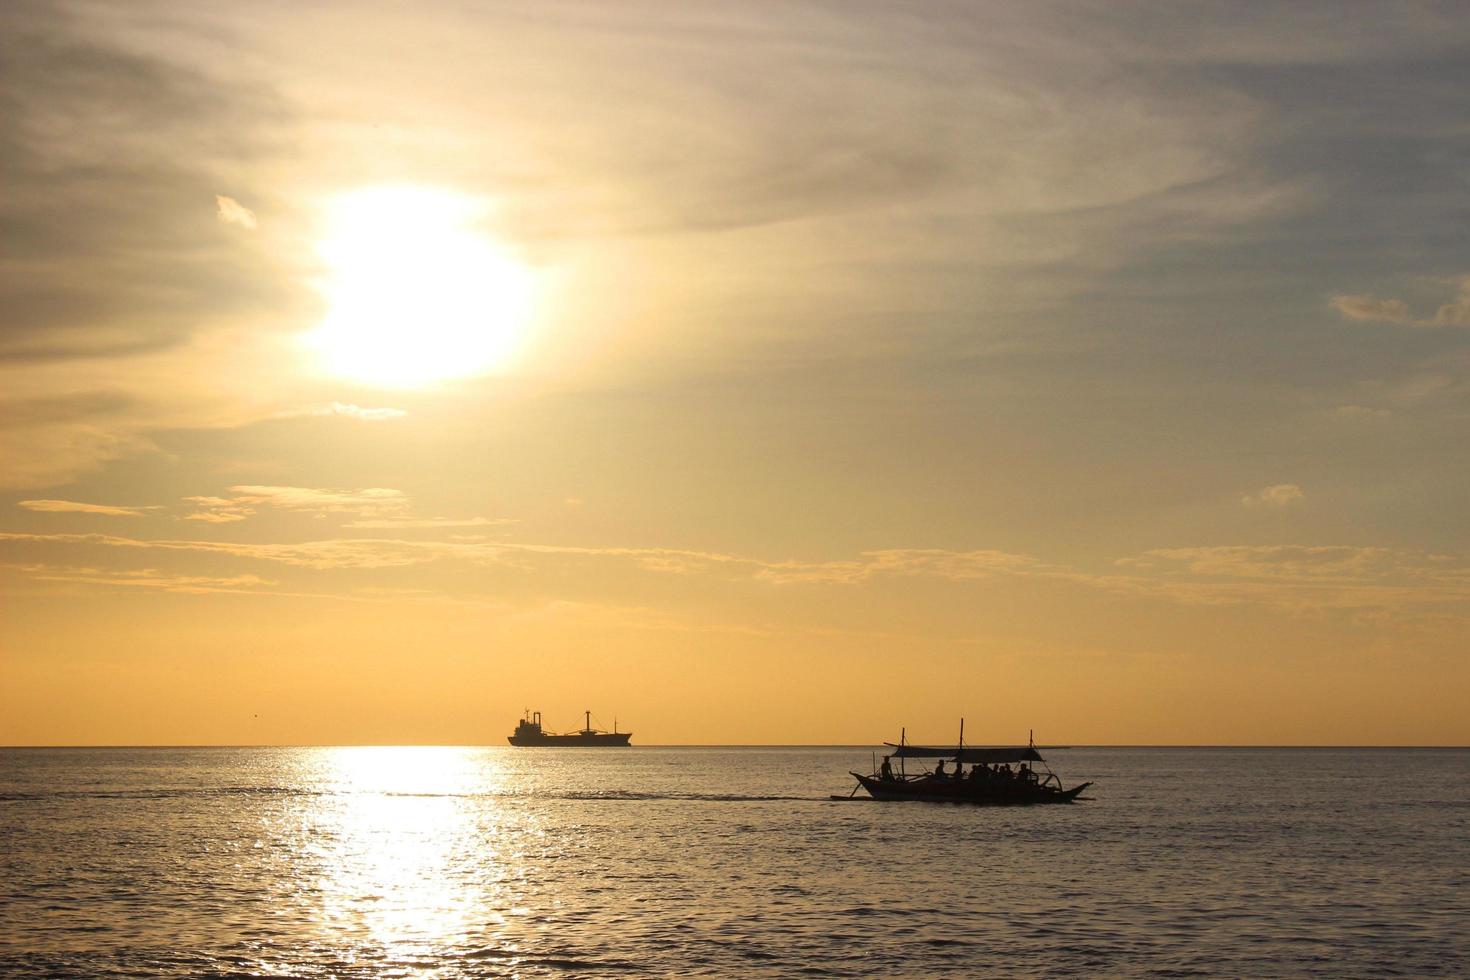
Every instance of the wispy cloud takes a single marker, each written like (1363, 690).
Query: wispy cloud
(217, 510)
(369, 501)
(958, 566)
(75, 507)
(1374, 583)
(246, 501)
(145, 578)
(1308, 563)
(430, 522)
(1277, 496)
(1373, 308)
(350, 411)
(374, 507)
(1455, 313)
(1298, 579)
(327, 554)
(232, 212)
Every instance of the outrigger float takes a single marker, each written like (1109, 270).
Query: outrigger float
(990, 781)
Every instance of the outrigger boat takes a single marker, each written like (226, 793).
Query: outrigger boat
(990, 780)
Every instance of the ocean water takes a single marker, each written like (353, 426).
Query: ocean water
(501, 862)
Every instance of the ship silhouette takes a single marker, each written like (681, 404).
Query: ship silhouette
(530, 732)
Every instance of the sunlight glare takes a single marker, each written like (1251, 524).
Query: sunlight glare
(392, 830)
(416, 291)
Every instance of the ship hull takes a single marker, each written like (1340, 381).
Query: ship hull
(963, 791)
(575, 740)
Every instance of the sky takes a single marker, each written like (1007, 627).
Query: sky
(745, 373)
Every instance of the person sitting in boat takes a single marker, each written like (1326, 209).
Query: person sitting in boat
(979, 772)
(1025, 774)
(885, 771)
(939, 772)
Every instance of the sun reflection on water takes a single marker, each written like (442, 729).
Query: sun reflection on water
(392, 838)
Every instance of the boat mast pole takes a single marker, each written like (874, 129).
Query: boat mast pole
(587, 721)
(903, 738)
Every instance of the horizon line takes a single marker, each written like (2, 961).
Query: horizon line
(723, 745)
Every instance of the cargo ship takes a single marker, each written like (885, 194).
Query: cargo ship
(530, 732)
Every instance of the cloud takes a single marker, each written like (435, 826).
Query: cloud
(356, 412)
(1373, 583)
(1373, 308)
(246, 501)
(1455, 313)
(387, 552)
(218, 510)
(428, 522)
(116, 300)
(146, 578)
(956, 566)
(371, 501)
(72, 506)
(1369, 584)
(1307, 563)
(232, 212)
(219, 516)
(374, 507)
(327, 554)
(1278, 495)
(349, 411)
(959, 566)
(48, 439)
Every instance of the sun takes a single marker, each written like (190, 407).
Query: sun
(416, 291)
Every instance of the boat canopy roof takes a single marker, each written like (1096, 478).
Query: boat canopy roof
(991, 757)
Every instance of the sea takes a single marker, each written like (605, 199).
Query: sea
(446, 862)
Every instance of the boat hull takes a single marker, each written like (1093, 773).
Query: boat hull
(965, 791)
(575, 740)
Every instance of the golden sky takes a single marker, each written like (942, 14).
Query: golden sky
(749, 372)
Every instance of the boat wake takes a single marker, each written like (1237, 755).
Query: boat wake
(630, 796)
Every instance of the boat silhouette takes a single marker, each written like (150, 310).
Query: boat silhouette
(990, 782)
(530, 732)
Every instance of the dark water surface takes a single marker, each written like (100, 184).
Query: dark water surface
(490, 862)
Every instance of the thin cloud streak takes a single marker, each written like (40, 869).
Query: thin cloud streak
(75, 507)
(346, 410)
(431, 522)
(246, 501)
(1290, 578)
